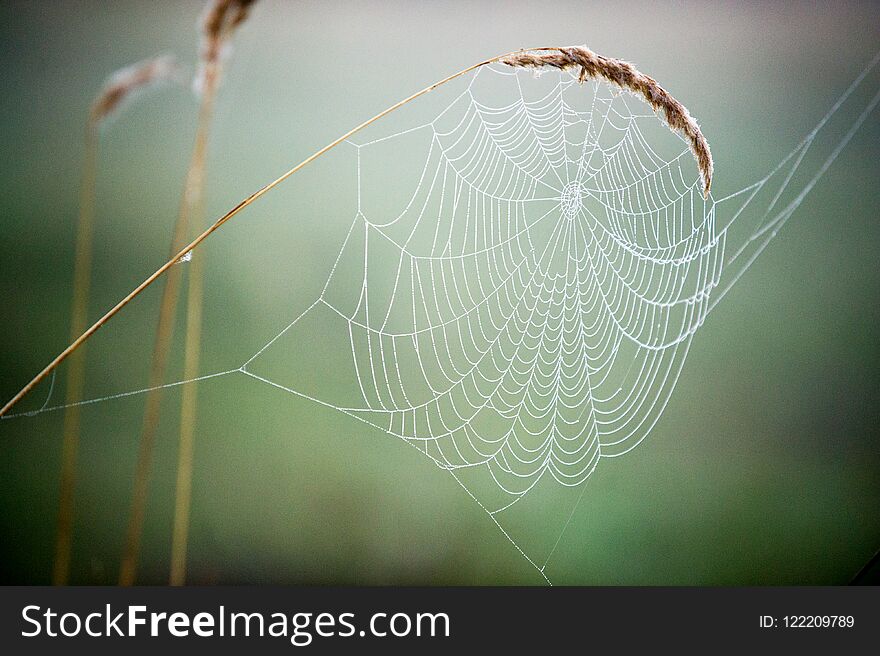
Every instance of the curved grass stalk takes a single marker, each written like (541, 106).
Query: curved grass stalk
(563, 58)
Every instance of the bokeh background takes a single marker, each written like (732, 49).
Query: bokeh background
(764, 469)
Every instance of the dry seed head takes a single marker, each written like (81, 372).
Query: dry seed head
(123, 82)
(219, 21)
(624, 75)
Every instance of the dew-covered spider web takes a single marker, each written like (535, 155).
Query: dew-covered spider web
(522, 276)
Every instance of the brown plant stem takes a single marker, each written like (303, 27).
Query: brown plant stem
(183, 491)
(162, 344)
(76, 373)
(243, 204)
(161, 350)
(114, 93)
(192, 350)
(219, 21)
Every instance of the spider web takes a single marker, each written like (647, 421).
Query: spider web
(520, 304)
(526, 310)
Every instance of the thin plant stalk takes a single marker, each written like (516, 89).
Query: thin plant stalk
(183, 490)
(568, 59)
(115, 91)
(76, 373)
(161, 351)
(192, 351)
(219, 21)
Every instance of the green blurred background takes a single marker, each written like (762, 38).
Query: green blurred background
(764, 469)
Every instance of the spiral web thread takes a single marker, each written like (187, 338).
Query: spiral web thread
(528, 309)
